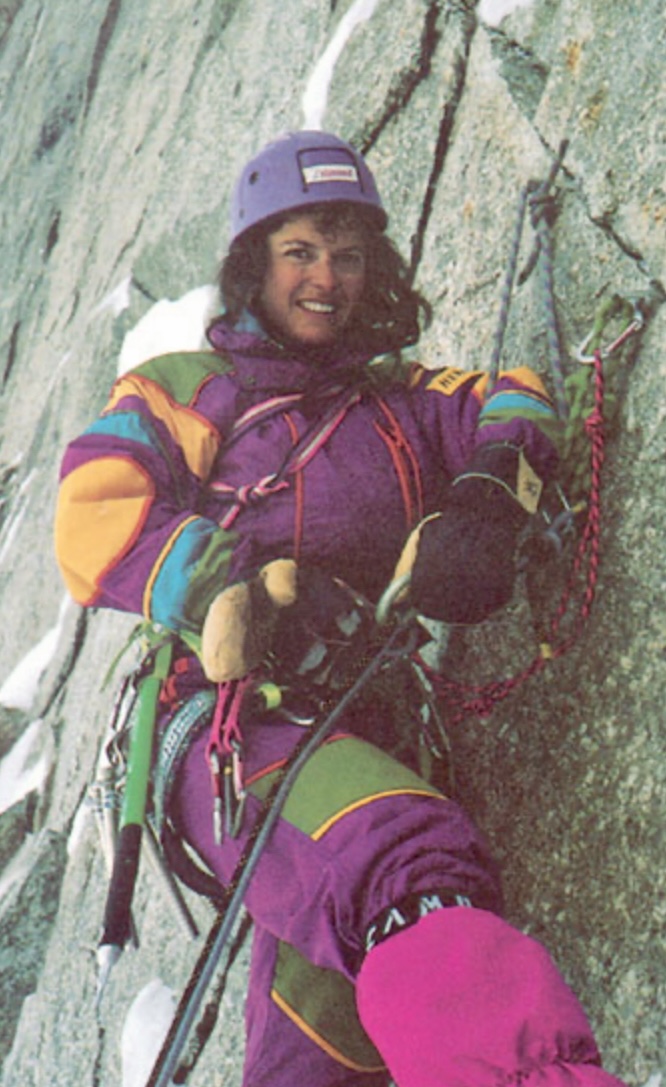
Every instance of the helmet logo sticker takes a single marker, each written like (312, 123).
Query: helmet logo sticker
(312, 175)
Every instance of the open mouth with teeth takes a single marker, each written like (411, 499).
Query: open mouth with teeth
(326, 309)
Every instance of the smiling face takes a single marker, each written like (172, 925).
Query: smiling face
(313, 282)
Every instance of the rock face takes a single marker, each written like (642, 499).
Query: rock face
(122, 128)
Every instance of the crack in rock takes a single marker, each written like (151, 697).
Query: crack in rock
(524, 74)
(11, 359)
(67, 667)
(402, 91)
(102, 44)
(443, 139)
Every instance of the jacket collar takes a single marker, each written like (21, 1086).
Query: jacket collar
(264, 364)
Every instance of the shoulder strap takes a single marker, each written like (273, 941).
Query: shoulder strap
(300, 454)
(404, 460)
(260, 412)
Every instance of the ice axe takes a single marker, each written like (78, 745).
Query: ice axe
(117, 924)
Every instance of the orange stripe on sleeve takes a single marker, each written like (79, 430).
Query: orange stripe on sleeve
(317, 1038)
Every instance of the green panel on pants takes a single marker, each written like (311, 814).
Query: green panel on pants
(342, 775)
(322, 1004)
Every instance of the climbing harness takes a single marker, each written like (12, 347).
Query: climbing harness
(306, 446)
(296, 460)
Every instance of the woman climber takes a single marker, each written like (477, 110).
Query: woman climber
(247, 498)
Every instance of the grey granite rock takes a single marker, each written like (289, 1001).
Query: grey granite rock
(121, 129)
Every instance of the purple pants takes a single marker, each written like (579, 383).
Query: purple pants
(359, 833)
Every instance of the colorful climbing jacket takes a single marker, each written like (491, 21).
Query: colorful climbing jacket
(192, 442)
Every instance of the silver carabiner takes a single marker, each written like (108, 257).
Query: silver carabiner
(635, 325)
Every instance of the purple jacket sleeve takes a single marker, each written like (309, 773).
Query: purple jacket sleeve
(518, 412)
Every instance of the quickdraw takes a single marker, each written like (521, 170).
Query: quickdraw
(224, 753)
(633, 312)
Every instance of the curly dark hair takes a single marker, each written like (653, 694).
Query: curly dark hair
(391, 314)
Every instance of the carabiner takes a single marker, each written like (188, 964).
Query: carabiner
(635, 325)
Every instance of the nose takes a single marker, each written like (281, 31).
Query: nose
(323, 273)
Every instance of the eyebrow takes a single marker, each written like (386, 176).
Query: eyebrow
(353, 247)
(297, 241)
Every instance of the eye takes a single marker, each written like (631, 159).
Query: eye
(350, 262)
(298, 253)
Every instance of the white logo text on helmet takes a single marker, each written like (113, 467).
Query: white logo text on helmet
(313, 175)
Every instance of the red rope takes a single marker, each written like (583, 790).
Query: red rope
(298, 503)
(465, 699)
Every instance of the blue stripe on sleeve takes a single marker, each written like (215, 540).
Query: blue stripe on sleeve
(174, 581)
(127, 425)
(515, 404)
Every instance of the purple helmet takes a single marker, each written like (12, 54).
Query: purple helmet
(300, 169)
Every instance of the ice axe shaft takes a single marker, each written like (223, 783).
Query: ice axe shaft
(117, 924)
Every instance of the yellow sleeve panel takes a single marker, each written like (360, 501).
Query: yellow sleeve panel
(522, 375)
(102, 507)
(449, 380)
(196, 436)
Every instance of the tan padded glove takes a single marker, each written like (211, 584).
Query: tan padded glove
(240, 622)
